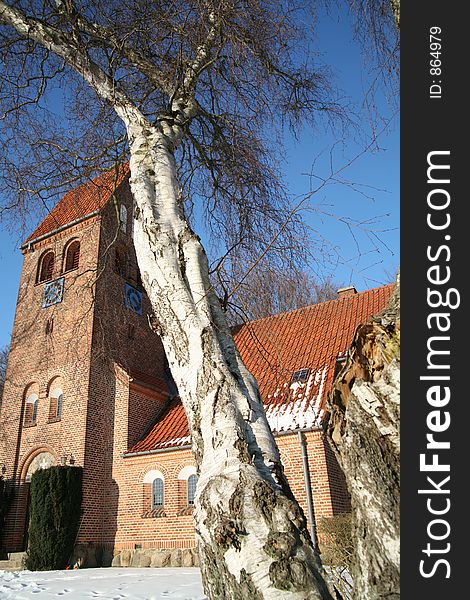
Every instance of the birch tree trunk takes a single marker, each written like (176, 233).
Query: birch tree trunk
(365, 430)
(251, 532)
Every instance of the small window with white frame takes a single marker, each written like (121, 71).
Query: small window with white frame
(154, 494)
(192, 482)
(187, 482)
(300, 375)
(157, 493)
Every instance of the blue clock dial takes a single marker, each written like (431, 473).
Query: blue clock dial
(133, 298)
(53, 292)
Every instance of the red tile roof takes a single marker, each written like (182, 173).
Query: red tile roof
(170, 430)
(81, 201)
(273, 349)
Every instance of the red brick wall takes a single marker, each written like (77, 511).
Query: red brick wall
(144, 406)
(176, 529)
(122, 343)
(340, 499)
(291, 456)
(329, 497)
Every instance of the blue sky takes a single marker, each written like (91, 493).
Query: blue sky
(366, 255)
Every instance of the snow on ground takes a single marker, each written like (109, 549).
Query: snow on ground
(103, 584)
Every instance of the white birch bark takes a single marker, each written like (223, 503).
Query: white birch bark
(251, 532)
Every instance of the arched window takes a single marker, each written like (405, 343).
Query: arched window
(56, 399)
(192, 482)
(123, 218)
(154, 495)
(120, 260)
(42, 460)
(157, 493)
(46, 267)
(31, 409)
(72, 256)
(187, 480)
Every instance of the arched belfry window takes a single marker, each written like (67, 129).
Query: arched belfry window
(46, 267)
(72, 256)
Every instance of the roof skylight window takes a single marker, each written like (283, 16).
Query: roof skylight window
(300, 375)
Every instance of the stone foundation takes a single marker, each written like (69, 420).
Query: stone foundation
(149, 557)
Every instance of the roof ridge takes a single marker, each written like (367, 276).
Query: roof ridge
(288, 312)
(80, 202)
(272, 351)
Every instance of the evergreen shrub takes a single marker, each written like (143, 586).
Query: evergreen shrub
(6, 496)
(55, 507)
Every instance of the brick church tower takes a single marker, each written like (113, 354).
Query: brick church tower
(81, 326)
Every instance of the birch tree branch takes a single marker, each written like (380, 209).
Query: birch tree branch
(106, 37)
(59, 43)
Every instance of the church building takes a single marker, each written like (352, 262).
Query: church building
(88, 384)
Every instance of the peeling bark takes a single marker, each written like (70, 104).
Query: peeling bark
(252, 535)
(364, 428)
(251, 532)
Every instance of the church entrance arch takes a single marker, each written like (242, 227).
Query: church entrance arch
(42, 460)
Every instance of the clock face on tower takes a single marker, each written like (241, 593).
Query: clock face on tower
(133, 298)
(53, 292)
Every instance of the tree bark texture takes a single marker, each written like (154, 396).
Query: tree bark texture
(364, 428)
(251, 532)
(252, 535)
